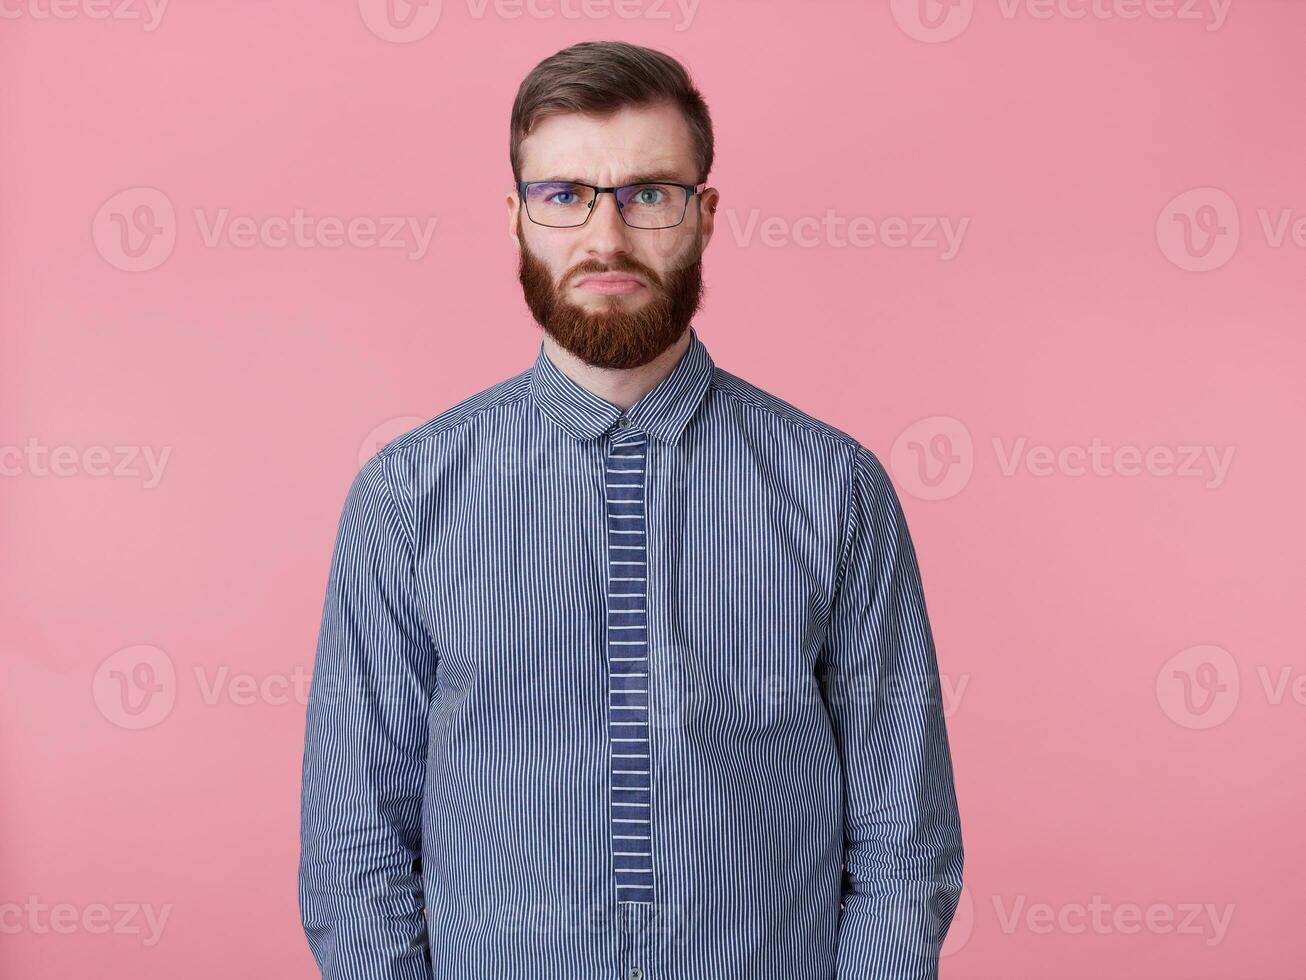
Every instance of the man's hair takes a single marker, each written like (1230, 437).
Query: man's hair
(600, 77)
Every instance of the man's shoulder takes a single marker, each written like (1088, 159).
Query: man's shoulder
(775, 412)
(456, 418)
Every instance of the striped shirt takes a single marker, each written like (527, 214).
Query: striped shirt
(636, 695)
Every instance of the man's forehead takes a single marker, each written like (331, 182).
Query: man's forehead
(627, 144)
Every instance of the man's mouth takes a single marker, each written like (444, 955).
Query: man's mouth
(608, 283)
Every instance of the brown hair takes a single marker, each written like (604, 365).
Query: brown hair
(600, 77)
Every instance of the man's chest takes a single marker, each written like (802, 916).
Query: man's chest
(522, 570)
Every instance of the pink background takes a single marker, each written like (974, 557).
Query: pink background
(1122, 645)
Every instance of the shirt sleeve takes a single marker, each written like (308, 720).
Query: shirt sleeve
(360, 887)
(902, 834)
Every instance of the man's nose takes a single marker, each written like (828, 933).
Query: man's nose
(606, 231)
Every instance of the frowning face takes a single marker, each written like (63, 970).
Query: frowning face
(616, 296)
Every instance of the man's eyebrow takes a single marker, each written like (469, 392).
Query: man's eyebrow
(657, 176)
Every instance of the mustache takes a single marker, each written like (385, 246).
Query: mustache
(594, 267)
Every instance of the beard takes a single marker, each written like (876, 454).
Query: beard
(612, 337)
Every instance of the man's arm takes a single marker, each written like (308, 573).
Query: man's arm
(902, 834)
(360, 889)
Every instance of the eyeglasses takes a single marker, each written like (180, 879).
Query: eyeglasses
(569, 203)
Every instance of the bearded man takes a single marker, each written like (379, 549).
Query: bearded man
(624, 668)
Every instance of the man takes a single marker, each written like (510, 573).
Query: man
(624, 668)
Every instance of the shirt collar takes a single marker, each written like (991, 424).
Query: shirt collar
(663, 411)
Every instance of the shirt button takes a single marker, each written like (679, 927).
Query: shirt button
(635, 973)
(624, 422)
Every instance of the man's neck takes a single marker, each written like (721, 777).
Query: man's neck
(620, 386)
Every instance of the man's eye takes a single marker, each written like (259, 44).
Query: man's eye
(558, 195)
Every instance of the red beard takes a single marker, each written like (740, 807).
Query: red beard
(613, 338)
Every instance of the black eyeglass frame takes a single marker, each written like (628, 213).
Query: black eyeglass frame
(691, 190)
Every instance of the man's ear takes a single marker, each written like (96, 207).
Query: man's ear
(514, 203)
(708, 202)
